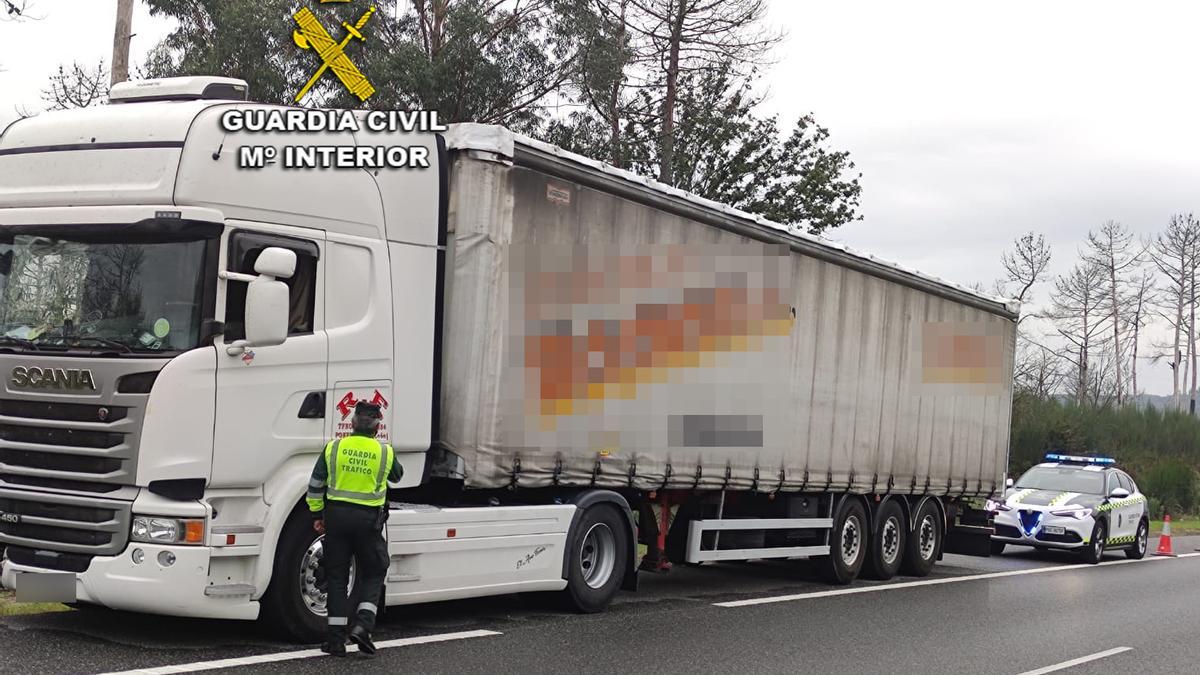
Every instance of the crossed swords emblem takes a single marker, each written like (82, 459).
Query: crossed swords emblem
(312, 35)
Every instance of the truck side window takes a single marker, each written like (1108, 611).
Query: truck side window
(244, 248)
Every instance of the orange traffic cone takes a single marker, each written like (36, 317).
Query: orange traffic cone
(1164, 540)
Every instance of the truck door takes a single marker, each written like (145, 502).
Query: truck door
(271, 401)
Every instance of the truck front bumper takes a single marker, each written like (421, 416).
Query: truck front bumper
(150, 586)
(1075, 533)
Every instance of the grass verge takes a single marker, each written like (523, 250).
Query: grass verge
(1179, 526)
(10, 607)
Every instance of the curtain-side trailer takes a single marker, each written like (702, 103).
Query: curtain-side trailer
(584, 373)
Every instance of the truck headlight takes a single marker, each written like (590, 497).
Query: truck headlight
(156, 530)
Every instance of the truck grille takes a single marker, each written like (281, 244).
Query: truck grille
(68, 523)
(79, 447)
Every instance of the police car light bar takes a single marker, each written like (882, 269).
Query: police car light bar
(1076, 459)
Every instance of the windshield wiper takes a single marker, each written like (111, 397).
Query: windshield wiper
(20, 342)
(81, 340)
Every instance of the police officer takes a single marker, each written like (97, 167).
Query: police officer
(347, 496)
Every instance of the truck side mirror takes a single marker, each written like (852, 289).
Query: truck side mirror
(1008, 483)
(267, 309)
(267, 299)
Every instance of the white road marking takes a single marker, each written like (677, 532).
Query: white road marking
(302, 654)
(1075, 662)
(935, 582)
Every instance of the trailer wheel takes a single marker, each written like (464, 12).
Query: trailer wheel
(293, 608)
(886, 549)
(924, 542)
(847, 544)
(597, 551)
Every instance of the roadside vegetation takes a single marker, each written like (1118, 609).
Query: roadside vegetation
(10, 607)
(1160, 449)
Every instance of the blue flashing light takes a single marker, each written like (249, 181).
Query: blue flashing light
(1077, 459)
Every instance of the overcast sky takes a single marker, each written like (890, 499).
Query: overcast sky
(971, 122)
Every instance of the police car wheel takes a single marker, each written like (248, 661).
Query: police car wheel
(1094, 551)
(1137, 550)
(847, 545)
(924, 542)
(886, 549)
(598, 552)
(286, 610)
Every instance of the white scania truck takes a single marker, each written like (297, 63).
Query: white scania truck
(572, 360)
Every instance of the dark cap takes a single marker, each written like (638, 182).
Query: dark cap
(367, 409)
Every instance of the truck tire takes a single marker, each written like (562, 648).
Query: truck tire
(1141, 541)
(287, 607)
(924, 542)
(887, 545)
(1094, 551)
(598, 550)
(848, 541)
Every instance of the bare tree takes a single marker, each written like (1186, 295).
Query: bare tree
(1173, 254)
(1079, 318)
(78, 87)
(1038, 370)
(689, 35)
(1025, 265)
(1141, 300)
(1111, 249)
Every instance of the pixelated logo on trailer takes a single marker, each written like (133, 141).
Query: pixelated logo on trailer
(601, 321)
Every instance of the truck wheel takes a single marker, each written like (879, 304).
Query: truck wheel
(924, 542)
(1137, 550)
(597, 553)
(293, 608)
(1094, 552)
(848, 542)
(887, 544)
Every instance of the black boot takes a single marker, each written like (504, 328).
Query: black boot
(360, 637)
(334, 646)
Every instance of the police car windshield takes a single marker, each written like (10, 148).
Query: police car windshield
(1063, 479)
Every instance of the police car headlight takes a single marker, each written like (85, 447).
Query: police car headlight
(1077, 514)
(153, 530)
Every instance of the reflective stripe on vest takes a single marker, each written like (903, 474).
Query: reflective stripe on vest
(360, 482)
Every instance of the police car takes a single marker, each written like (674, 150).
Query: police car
(1084, 504)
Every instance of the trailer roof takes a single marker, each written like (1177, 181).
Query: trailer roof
(502, 141)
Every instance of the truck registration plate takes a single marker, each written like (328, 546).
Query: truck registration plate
(1055, 529)
(45, 587)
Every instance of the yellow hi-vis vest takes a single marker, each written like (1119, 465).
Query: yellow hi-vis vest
(358, 470)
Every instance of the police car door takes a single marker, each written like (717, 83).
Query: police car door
(1118, 517)
(1131, 513)
(271, 401)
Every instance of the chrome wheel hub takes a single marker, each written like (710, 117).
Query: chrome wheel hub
(598, 555)
(851, 541)
(890, 544)
(314, 588)
(927, 537)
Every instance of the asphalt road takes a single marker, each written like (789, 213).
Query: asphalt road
(1012, 614)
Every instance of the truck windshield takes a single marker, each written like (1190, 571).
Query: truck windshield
(1062, 480)
(127, 289)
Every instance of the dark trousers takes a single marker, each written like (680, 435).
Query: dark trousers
(353, 531)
